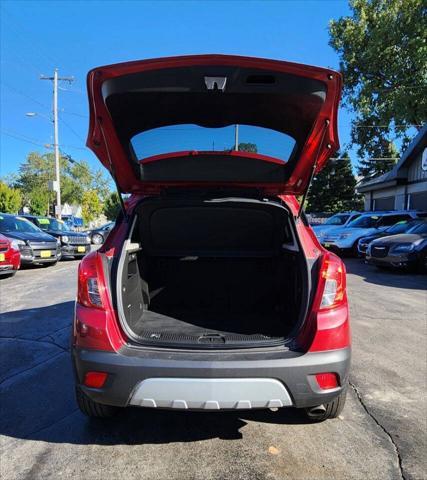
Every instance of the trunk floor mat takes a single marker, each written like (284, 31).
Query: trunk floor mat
(189, 326)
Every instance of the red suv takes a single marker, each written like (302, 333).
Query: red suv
(212, 292)
(10, 256)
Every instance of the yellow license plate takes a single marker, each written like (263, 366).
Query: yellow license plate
(2, 257)
(45, 254)
(81, 249)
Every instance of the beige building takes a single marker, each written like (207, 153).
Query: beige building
(405, 186)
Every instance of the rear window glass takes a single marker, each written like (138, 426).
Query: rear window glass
(389, 220)
(337, 220)
(365, 221)
(177, 138)
(400, 227)
(51, 224)
(420, 228)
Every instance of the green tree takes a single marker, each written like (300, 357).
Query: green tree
(101, 184)
(39, 201)
(112, 206)
(76, 178)
(10, 199)
(383, 58)
(91, 206)
(33, 177)
(376, 164)
(244, 147)
(333, 189)
(248, 147)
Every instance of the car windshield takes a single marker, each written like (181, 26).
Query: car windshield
(337, 220)
(16, 224)
(400, 227)
(52, 224)
(365, 221)
(421, 228)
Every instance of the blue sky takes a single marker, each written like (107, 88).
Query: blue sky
(37, 36)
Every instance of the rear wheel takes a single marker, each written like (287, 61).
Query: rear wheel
(93, 409)
(327, 410)
(354, 252)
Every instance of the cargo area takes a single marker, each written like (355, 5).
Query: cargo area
(211, 273)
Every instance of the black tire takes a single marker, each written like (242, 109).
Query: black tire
(331, 410)
(354, 252)
(97, 239)
(93, 409)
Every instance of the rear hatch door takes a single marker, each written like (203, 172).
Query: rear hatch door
(213, 92)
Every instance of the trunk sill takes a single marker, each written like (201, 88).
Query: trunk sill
(209, 341)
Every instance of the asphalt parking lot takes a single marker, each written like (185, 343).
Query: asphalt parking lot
(380, 435)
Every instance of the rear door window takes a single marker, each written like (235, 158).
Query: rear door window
(389, 220)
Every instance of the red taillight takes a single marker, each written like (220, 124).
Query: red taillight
(95, 323)
(95, 379)
(88, 290)
(327, 327)
(334, 282)
(327, 380)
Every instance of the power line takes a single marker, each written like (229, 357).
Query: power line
(71, 128)
(366, 159)
(23, 63)
(73, 90)
(388, 126)
(20, 29)
(34, 141)
(19, 92)
(74, 147)
(74, 113)
(23, 138)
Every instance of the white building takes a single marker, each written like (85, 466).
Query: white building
(405, 186)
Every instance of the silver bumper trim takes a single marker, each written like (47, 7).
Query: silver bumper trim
(211, 393)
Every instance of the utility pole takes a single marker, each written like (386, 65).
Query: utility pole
(236, 137)
(55, 80)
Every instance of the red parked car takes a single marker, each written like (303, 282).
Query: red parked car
(10, 257)
(212, 291)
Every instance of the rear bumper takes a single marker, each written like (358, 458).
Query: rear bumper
(11, 262)
(398, 260)
(29, 260)
(338, 248)
(334, 242)
(73, 250)
(7, 269)
(202, 380)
